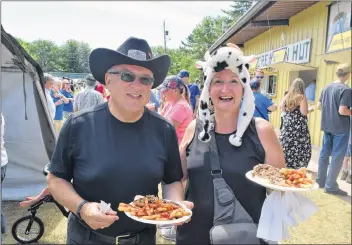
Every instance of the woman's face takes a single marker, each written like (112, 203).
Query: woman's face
(171, 94)
(56, 86)
(226, 91)
(66, 84)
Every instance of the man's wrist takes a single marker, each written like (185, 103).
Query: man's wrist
(79, 208)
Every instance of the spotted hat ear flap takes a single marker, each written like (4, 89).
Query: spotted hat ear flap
(246, 111)
(204, 110)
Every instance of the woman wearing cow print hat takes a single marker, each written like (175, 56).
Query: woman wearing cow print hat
(225, 120)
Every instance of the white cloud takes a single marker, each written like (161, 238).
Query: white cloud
(106, 24)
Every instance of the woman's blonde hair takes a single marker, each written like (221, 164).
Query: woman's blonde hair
(295, 94)
(58, 82)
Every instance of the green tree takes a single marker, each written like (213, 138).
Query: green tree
(180, 60)
(69, 56)
(74, 56)
(237, 9)
(27, 46)
(84, 51)
(43, 51)
(203, 36)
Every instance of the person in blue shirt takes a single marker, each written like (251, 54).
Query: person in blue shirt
(194, 91)
(262, 103)
(154, 103)
(310, 91)
(66, 91)
(59, 101)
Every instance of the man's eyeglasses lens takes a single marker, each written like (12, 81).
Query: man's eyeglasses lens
(130, 77)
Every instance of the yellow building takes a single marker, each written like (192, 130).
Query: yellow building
(293, 39)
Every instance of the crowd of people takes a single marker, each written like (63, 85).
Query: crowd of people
(298, 102)
(154, 128)
(62, 101)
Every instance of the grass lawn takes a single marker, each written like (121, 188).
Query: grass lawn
(330, 225)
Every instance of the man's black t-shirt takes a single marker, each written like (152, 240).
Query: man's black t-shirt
(113, 161)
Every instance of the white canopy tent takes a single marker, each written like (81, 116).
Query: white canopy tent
(29, 133)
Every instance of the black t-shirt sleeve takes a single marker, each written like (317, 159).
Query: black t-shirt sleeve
(172, 168)
(61, 161)
(346, 98)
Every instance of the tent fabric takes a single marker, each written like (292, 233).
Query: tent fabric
(29, 132)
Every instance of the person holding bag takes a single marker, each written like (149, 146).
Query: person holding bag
(219, 148)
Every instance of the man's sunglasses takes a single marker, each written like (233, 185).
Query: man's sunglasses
(129, 77)
(259, 77)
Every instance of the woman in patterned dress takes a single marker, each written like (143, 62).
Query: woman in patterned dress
(295, 138)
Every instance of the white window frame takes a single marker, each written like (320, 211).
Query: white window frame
(265, 86)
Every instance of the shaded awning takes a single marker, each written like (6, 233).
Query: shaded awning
(269, 71)
(343, 56)
(287, 66)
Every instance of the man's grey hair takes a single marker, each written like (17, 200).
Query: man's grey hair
(110, 69)
(48, 77)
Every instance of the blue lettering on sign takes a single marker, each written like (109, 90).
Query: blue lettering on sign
(295, 53)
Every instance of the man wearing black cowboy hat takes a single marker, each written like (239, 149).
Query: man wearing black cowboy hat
(116, 150)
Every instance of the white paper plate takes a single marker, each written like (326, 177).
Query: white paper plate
(162, 222)
(265, 183)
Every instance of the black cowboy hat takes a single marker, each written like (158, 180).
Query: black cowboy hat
(133, 51)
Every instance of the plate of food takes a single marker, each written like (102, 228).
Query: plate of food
(155, 211)
(285, 179)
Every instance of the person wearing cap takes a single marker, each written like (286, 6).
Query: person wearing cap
(193, 90)
(227, 135)
(88, 97)
(335, 103)
(262, 103)
(177, 109)
(116, 150)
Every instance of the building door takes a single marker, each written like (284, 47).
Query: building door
(308, 76)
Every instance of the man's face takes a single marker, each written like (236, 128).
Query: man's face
(259, 76)
(49, 84)
(127, 94)
(185, 80)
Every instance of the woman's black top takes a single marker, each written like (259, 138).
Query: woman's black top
(235, 163)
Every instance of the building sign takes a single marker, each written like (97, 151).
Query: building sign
(253, 64)
(297, 53)
(279, 55)
(339, 27)
(264, 59)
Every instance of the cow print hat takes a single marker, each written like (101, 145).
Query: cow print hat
(230, 57)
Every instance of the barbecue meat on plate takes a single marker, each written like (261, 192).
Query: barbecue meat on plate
(268, 172)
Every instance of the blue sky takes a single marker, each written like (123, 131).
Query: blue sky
(106, 24)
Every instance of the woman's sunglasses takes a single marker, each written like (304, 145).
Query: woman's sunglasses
(129, 77)
(259, 77)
